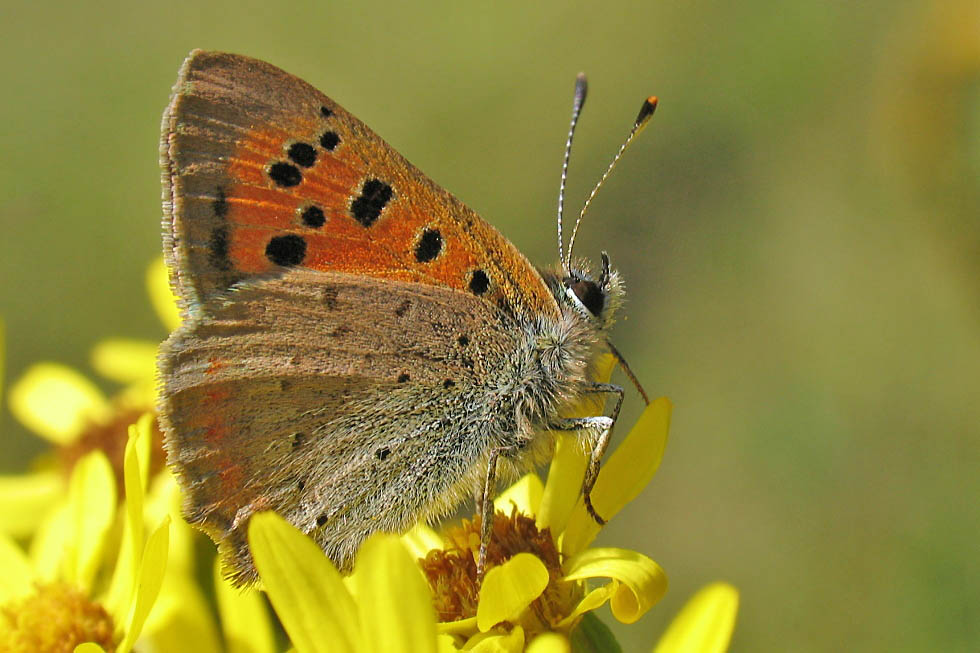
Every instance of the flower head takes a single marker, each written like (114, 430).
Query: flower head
(70, 590)
(542, 570)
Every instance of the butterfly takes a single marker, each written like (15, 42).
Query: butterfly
(359, 350)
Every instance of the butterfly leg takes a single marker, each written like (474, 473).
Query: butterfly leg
(485, 508)
(602, 426)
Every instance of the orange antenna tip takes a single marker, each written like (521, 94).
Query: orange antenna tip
(646, 111)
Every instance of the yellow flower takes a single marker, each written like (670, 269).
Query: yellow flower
(542, 585)
(67, 591)
(383, 606)
(62, 406)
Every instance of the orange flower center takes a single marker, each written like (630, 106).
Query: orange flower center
(451, 572)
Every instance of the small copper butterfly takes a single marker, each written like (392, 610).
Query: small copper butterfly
(359, 350)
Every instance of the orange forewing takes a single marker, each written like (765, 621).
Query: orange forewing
(257, 209)
(384, 249)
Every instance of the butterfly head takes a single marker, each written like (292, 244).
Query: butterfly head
(595, 298)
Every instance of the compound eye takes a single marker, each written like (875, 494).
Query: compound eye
(588, 293)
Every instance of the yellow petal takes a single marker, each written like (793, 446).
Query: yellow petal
(244, 617)
(525, 494)
(142, 433)
(153, 564)
(16, 579)
(89, 647)
(704, 624)
(164, 301)
(510, 588)
(459, 627)
(593, 600)
(135, 472)
(125, 360)
(304, 587)
(549, 643)
(446, 643)
(512, 642)
(628, 470)
(641, 581)
(564, 484)
(422, 539)
(164, 498)
(53, 537)
(55, 401)
(92, 508)
(393, 599)
(134, 479)
(26, 499)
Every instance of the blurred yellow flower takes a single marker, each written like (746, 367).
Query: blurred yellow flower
(62, 406)
(68, 590)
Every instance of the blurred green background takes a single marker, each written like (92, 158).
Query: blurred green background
(798, 228)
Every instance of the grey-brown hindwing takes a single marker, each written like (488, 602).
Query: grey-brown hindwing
(345, 403)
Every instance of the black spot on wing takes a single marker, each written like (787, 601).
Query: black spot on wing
(285, 174)
(302, 154)
(218, 240)
(286, 250)
(479, 282)
(312, 216)
(366, 208)
(220, 203)
(218, 248)
(329, 141)
(428, 246)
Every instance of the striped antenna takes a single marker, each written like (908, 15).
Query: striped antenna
(646, 111)
(581, 90)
